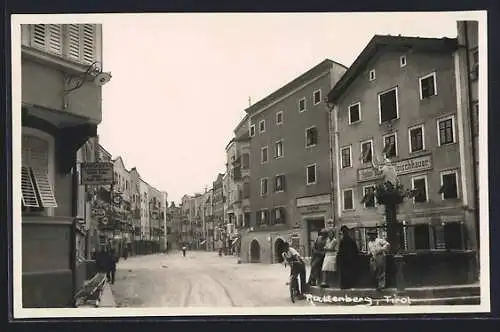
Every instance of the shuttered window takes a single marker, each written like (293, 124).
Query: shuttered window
(47, 37)
(73, 41)
(37, 191)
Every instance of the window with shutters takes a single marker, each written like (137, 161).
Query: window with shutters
(36, 184)
(76, 42)
(428, 86)
(263, 186)
(311, 174)
(367, 151)
(311, 136)
(279, 183)
(419, 185)
(390, 145)
(446, 130)
(417, 138)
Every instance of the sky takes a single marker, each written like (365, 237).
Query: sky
(181, 82)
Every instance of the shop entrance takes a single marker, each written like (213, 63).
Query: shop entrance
(313, 227)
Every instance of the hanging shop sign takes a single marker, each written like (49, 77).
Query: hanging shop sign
(97, 173)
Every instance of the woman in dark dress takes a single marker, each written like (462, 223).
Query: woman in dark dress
(317, 257)
(347, 259)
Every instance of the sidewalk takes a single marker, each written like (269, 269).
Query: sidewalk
(107, 298)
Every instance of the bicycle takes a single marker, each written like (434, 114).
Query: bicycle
(293, 284)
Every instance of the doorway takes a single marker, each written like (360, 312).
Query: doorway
(279, 246)
(254, 252)
(313, 227)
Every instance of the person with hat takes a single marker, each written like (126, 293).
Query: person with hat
(317, 257)
(377, 249)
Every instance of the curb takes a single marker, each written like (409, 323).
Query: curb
(107, 299)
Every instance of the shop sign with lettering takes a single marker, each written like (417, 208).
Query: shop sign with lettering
(406, 166)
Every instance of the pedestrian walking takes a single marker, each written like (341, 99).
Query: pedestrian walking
(377, 249)
(112, 259)
(317, 257)
(347, 259)
(183, 250)
(329, 268)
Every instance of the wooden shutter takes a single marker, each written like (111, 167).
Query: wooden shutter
(89, 43)
(45, 191)
(28, 189)
(74, 42)
(38, 33)
(54, 38)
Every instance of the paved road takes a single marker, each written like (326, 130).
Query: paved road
(199, 279)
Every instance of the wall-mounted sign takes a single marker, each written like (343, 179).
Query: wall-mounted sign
(313, 200)
(99, 173)
(406, 166)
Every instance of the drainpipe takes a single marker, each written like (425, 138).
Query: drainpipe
(74, 213)
(471, 116)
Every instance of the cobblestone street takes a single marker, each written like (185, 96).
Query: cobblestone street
(199, 279)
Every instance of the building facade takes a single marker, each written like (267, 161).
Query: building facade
(60, 112)
(291, 173)
(122, 207)
(400, 98)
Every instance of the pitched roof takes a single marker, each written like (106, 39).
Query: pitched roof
(380, 43)
(316, 70)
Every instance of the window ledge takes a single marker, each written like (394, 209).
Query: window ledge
(54, 60)
(354, 123)
(311, 146)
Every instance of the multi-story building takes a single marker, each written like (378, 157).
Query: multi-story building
(61, 81)
(399, 98)
(291, 169)
(208, 220)
(156, 215)
(186, 230)
(145, 210)
(136, 205)
(174, 226)
(122, 208)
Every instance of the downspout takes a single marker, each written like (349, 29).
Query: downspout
(471, 128)
(330, 159)
(74, 213)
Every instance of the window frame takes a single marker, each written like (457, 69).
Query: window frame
(315, 174)
(379, 94)
(349, 113)
(279, 122)
(262, 161)
(395, 134)
(420, 177)
(276, 156)
(252, 128)
(420, 79)
(352, 199)
(361, 150)
(402, 63)
(342, 156)
(306, 131)
(51, 171)
(314, 94)
(441, 176)
(305, 105)
(262, 122)
(422, 126)
(372, 77)
(453, 125)
(374, 198)
(282, 185)
(262, 180)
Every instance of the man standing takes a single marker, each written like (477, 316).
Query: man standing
(184, 250)
(377, 249)
(317, 256)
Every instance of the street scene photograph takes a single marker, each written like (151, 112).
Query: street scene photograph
(292, 163)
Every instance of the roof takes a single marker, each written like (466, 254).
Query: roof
(316, 70)
(242, 122)
(242, 138)
(379, 43)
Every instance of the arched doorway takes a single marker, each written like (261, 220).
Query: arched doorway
(254, 252)
(279, 245)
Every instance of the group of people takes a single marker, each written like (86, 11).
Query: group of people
(335, 262)
(106, 260)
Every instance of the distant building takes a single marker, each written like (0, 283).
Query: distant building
(291, 174)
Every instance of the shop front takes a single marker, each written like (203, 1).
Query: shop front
(316, 214)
